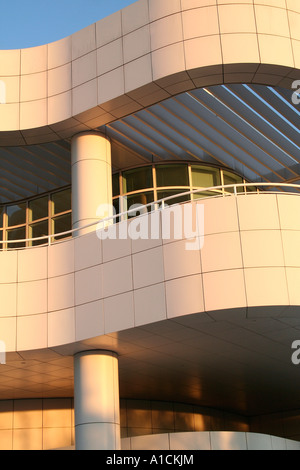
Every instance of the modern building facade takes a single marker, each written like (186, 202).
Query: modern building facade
(149, 228)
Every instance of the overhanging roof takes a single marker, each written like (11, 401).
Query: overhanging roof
(252, 129)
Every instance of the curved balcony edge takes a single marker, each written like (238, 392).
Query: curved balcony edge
(240, 261)
(73, 84)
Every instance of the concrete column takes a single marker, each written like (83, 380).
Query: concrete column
(91, 178)
(96, 401)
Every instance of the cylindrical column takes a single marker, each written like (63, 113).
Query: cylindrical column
(96, 401)
(91, 179)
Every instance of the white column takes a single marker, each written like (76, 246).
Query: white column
(91, 178)
(96, 401)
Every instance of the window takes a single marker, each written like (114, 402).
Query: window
(61, 211)
(38, 217)
(140, 178)
(170, 193)
(16, 214)
(16, 234)
(61, 201)
(37, 230)
(205, 177)
(158, 181)
(231, 178)
(62, 223)
(117, 209)
(51, 214)
(138, 199)
(172, 175)
(38, 208)
(116, 184)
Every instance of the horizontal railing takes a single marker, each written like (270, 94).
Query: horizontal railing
(221, 190)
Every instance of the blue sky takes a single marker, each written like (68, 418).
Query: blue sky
(29, 23)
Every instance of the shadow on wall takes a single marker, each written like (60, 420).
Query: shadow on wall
(143, 417)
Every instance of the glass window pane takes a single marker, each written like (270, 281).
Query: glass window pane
(38, 208)
(251, 189)
(62, 224)
(16, 234)
(61, 201)
(172, 175)
(203, 194)
(140, 199)
(1, 216)
(37, 230)
(231, 178)
(16, 214)
(116, 184)
(116, 204)
(175, 200)
(205, 177)
(140, 178)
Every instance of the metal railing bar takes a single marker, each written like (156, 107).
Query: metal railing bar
(219, 190)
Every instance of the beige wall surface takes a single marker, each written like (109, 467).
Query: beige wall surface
(246, 256)
(36, 424)
(143, 54)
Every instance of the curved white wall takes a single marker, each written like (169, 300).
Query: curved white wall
(209, 440)
(145, 53)
(86, 287)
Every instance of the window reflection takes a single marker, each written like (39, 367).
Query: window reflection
(61, 201)
(38, 208)
(16, 234)
(177, 176)
(16, 214)
(40, 229)
(140, 199)
(205, 177)
(140, 178)
(35, 218)
(203, 194)
(172, 175)
(117, 209)
(51, 214)
(62, 224)
(172, 193)
(230, 178)
(116, 184)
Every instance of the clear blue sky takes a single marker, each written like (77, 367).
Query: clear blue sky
(29, 23)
